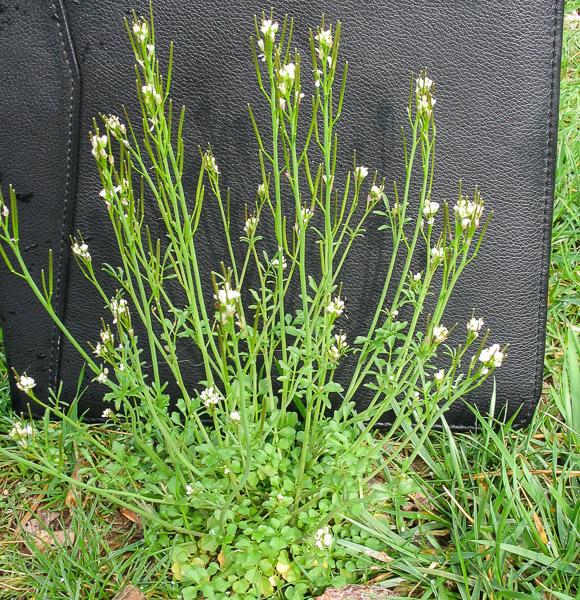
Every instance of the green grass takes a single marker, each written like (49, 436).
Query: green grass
(494, 516)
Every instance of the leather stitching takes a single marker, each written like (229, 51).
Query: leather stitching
(56, 337)
(540, 341)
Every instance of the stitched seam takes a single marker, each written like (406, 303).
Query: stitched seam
(56, 337)
(546, 225)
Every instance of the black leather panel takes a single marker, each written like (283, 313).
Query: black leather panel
(496, 69)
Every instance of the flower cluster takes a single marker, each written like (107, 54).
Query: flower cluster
(286, 77)
(269, 29)
(468, 212)
(276, 262)
(474, 326)
(323, 538)
(424, 97)
(150, 93)
(226, 300)
(491, 357)
(360, 173)
(250, 226)
(440, 333)
(335, 307)
(325, 41)
(114, 125)
(307, 214)
(141, 30)
(99, 144)
(437, 252)
(108, 413)
(103, 376)
(210, 164)
(25, 383)
(81, 250)
(377, 192)
(21, 433)
(210, 397)
(439, 376)
(118, 308)
(430, 210)
(338, 348)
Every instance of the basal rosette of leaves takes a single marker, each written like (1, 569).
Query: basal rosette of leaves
(249, 478)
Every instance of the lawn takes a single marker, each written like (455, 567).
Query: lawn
(489, 516)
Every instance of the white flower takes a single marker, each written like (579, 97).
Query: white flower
(103, 376)
(417, 276)
(286, 76)
(25, 383)
(338, 348)
(99, 145)
(437, 252)
(235, 416)
(106, 337)
(440, 333)
(474, 325)
(141, 30)
(5, 211)
(334, 354)
(276, 263)
(108, 413)
(210, 164)
(323, 538)
(189, 490)
(113, 123)
(150, 50)
(210, 396)
(281, 498)
(336, 307)
(250, 226)
(118, 308)
(262, 190)
(394, 313)
(423, 84)
(324, 39)
(226, 300)
(82, 251)
(439, 375)
(21, 433)
(424, 98)
(99, 349)
(376, 193)
(150, 92)
(430, 210)
(492, 356)
(306, 216)
(361, 172)
(269, 29)
(468, 212)
(109, 194)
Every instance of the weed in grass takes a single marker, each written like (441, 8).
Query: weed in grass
(491, 516)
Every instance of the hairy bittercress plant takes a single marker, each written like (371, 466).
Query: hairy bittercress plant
(251, 473)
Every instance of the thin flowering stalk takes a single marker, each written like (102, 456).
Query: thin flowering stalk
(363, 368)
(270, 49)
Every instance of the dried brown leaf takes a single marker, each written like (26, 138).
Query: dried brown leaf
(357, 592)
(130, 593)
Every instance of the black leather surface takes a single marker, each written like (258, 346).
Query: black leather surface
(496, 66)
